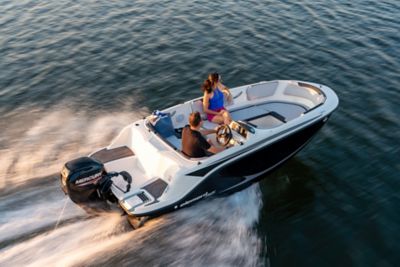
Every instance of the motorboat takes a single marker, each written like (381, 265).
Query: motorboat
(145, 173)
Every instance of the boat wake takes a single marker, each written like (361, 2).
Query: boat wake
(40, 227)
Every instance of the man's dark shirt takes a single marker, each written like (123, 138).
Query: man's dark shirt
(194, 144)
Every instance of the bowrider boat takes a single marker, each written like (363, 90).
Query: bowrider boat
(144, 171)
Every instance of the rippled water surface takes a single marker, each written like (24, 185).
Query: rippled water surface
(73, 73)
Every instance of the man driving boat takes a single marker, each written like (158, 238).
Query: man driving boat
(194, 145)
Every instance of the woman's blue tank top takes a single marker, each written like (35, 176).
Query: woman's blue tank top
(217, 101)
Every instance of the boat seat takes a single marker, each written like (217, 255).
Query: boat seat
(309, 93)
(197, 105)
(175, 141)
(209, 125)
(261, 90)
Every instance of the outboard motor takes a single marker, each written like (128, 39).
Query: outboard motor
(87, 183)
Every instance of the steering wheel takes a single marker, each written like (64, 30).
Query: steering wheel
(223, 135)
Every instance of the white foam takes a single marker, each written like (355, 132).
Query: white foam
(213, 232)
(53, 139)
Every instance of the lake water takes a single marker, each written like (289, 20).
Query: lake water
(73, 73)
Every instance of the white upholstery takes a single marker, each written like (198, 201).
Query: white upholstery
(197, 105)
(261, 90)
(181, 116)
(303, 92)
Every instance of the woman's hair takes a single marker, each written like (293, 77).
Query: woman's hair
(213, 78)
(206, 86)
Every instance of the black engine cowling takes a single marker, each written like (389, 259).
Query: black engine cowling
(86, 182)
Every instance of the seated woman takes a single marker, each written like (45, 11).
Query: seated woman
(213, 100)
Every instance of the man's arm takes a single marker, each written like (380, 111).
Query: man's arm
(226, 92)
(207, 146)
(207, 131)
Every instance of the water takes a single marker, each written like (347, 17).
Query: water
(72, 74)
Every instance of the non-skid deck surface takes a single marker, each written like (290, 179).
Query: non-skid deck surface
(107, 155)
(156, 188)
